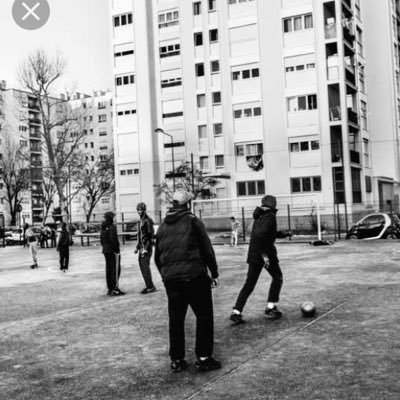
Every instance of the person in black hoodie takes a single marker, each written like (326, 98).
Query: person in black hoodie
(62, 247)
(145, 247)
(109, 241)
(183, 253)
(262, 245)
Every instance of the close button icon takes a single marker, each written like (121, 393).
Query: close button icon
(31, 14)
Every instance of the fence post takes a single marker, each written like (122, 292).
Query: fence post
(160, 216)
(200, 214)
(123, 228)
(289, 221)
(345, 216)
(338, 218)
(334, 221)
(244, 226)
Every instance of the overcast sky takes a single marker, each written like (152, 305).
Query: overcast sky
(79, 29)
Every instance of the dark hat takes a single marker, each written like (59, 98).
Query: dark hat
(141, 206)
(269, 201)
(109, 215)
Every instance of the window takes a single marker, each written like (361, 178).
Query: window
(246, 74)
(123, 53)
(304, 146)
(305, 184)
(217, 128)
(204, 163)
(250, 188)
(125, 80)
(91, 158)
(211, 5)
(197, 8)
(202, 130)
(92, 145)
(103, 118)
(247, 112)
(363, 110)
(216, 98)
(102, 104)
(173, 114)
(201, 100)
(302, 103)
(198, 39)
(356, 185)
(123, 172)
(170, 50)
(103, 133)
(366, 152)
(171, 82)
(362, 78)
(23, 143)
(298, 23)
(199, 69)
(167, 19)
(213, 35)
(123, 19)
(214, 66)
(219, 161)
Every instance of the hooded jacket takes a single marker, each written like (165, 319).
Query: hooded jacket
(109, 237)
(183, 249)
(263, 234)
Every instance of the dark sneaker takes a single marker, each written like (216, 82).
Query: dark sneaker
(273, 313)
(179, 365)
(120, 292)
(115, 292)
(208, 364)
(33, 266)
(148, 290)
(237, 319)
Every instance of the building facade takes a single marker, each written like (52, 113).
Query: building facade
(284, 97)
(20, 123)
(96, 112)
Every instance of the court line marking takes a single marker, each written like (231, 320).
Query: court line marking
(209, 385)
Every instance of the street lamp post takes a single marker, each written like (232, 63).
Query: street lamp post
(159, 130)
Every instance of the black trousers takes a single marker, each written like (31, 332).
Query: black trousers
(144, 264)
(113, 270)
(253, 274)
(195, 293)
(64, 257)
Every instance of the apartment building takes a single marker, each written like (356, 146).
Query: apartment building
(280, 96)
(96, 112)
(20, 122)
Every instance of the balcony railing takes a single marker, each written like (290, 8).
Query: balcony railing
(352, 116)
(354, 157)
(330, 31)
(335, 114)
(348, 35)
(35, 121)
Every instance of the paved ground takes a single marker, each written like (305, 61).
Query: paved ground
(61, 337)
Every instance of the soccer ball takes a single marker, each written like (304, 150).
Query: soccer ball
(308, 309)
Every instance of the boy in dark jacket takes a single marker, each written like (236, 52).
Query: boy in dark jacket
(262, 240)
(183, 253)
(62, 245)
(109, 241)
(145, 247)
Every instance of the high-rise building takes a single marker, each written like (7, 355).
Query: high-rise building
(288, 97)
(96, 112)
(20, 122)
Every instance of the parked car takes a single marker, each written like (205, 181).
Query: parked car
(376, 226)
(14, 236)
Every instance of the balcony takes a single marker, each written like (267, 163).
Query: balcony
(352, 116)
(354, 157)
(336, 151)
(33, 106)
(346, 8)
(330, 31)
(348, 35)
(35, 121)
(335, 113)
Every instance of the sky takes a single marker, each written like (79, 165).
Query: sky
(77, 29)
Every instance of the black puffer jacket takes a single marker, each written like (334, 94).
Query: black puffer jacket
(263, 234)
(183, 249)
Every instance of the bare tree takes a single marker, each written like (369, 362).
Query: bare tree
(61, 127)
(15, 174)
(96, 181)
(191, 180)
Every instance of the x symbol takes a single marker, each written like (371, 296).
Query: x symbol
(31, 11)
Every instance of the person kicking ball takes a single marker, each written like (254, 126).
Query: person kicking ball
(262, 245)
